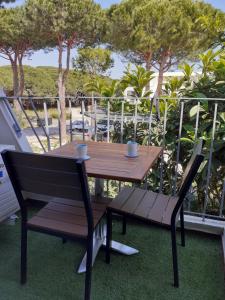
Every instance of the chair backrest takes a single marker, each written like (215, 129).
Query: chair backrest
(50, 176)
(197, 150)
(188, 176)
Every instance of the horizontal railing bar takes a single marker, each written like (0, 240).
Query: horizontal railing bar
(208, 216)
(116, 98)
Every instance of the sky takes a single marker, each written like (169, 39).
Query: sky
(40, 58)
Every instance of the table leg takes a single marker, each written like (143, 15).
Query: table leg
(99, 240)
(99, 187)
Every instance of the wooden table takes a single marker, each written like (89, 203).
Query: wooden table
(109, 161)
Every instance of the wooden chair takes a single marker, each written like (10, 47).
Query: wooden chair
(157, 208)
(70, 215)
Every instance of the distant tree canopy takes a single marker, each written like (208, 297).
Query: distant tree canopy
(65, 25)
(42, 81)
(163, 33)
(95, 61)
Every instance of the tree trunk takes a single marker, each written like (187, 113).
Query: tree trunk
(160, 82)
(15, 78)
(62, 97)
(148, 61)
(21, 71)
(15, 83)
(162, 65)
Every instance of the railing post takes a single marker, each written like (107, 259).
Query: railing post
(71, 120)
(95, 113)
(122, 120)
(59, 124)
(222, 200)
(210, 161)
(178, 147)
(197, 121)
(47, 125)
(150, 121)
(108, 120)
(163, 144)
(82, 111)
(135, 119)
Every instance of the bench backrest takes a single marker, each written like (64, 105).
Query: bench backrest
(48, 176)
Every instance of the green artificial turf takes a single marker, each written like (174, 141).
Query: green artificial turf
(145, 276)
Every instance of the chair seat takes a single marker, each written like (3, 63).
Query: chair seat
(67, 217)
(145, 205)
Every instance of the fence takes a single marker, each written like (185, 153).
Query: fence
(172, 123)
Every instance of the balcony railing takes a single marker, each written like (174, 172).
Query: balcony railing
(174, 123)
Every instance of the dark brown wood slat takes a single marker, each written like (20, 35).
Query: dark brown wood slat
(123, 196)
(133, 200)
(54, 190)
(70, 202)
(62, 216)
(47, 176)
(44, 162)
(96, 204)
(73, 210)
(57, 226)
(157, 210)
(146, 204)
(169, 210)
(65, 217)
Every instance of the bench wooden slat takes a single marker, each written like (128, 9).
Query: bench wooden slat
(57, 226)
(133, 200)
(166, 219)
(146, 204)
(54, 190)
(77, 211)
(47, 175)
(99, 204)
(65, 217)
(157, 210)
(123, 196)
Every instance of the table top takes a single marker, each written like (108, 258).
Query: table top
(108, 160)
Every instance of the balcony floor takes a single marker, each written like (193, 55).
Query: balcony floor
(144, 276)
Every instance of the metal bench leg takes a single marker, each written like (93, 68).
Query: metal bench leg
(124, 230)
(182, 227)
(108, 235)
(88, 268)
(23, 270)
(174, 254)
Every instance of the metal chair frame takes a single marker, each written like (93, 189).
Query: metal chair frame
(11, 158)
(188, 178)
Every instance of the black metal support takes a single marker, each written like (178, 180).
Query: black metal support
(23, 269)
(182, 226)
(88, 267)
(40, 122)
(124, 230)
(174, 254)
(108, 235)
(31, 125)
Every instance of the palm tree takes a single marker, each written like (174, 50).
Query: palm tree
(138, 79)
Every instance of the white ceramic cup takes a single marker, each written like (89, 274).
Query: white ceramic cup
(81, 150)
(132, 148)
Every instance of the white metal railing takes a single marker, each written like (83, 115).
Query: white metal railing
(102, 117)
